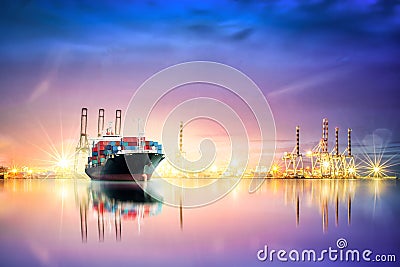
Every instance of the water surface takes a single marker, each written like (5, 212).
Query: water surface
(81, 223)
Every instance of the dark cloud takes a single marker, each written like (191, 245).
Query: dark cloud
(340, 17)
(242, 34)
(300, 21)
(200, 12)
(201, 28)
(357, 41)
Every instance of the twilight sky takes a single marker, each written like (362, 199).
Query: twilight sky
(312, 59)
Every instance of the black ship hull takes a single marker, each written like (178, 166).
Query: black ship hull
(129, 167)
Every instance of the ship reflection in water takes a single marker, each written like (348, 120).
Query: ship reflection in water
(81, 223)
(113, 202)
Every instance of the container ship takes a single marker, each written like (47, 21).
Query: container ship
(114, 157)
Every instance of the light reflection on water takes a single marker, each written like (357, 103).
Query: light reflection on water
(81, 223)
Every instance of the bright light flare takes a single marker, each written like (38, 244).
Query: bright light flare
(351, 170)
(326, 164)
(214, 168)
(377, 169)
(63, 163)
(60, 156)
(60, 161)
(376, 164)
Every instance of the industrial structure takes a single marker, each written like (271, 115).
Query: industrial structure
(294, 166)
(180, 155)
(181, 138)
(82, 149)
(323, 163)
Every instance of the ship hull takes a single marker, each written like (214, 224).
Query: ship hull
(129, 167)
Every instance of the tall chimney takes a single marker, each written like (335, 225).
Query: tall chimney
(181, 137)
(297, 140)
(337, 141)
(325, 134)
(349, 142)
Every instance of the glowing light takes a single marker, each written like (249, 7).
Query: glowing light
(376, 164)
(326, 164)
(351, 170)
(64, 192)
(63, 163)
(60, 157)
(378, 170)
(275, 168)
(14, 170)
(309, 153)
(214, 168)
(174, 171)
(30, 171)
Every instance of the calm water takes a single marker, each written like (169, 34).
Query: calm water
(82, 223)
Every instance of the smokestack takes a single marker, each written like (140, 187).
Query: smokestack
(349, 142)
(181, 137)
(297, 141)
(117, 122)
(100, 123)
(325, 134)
(82, 139)
(337, 141)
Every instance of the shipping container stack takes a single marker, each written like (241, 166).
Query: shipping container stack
(104, 149)
(128, 211)
(130, 143)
